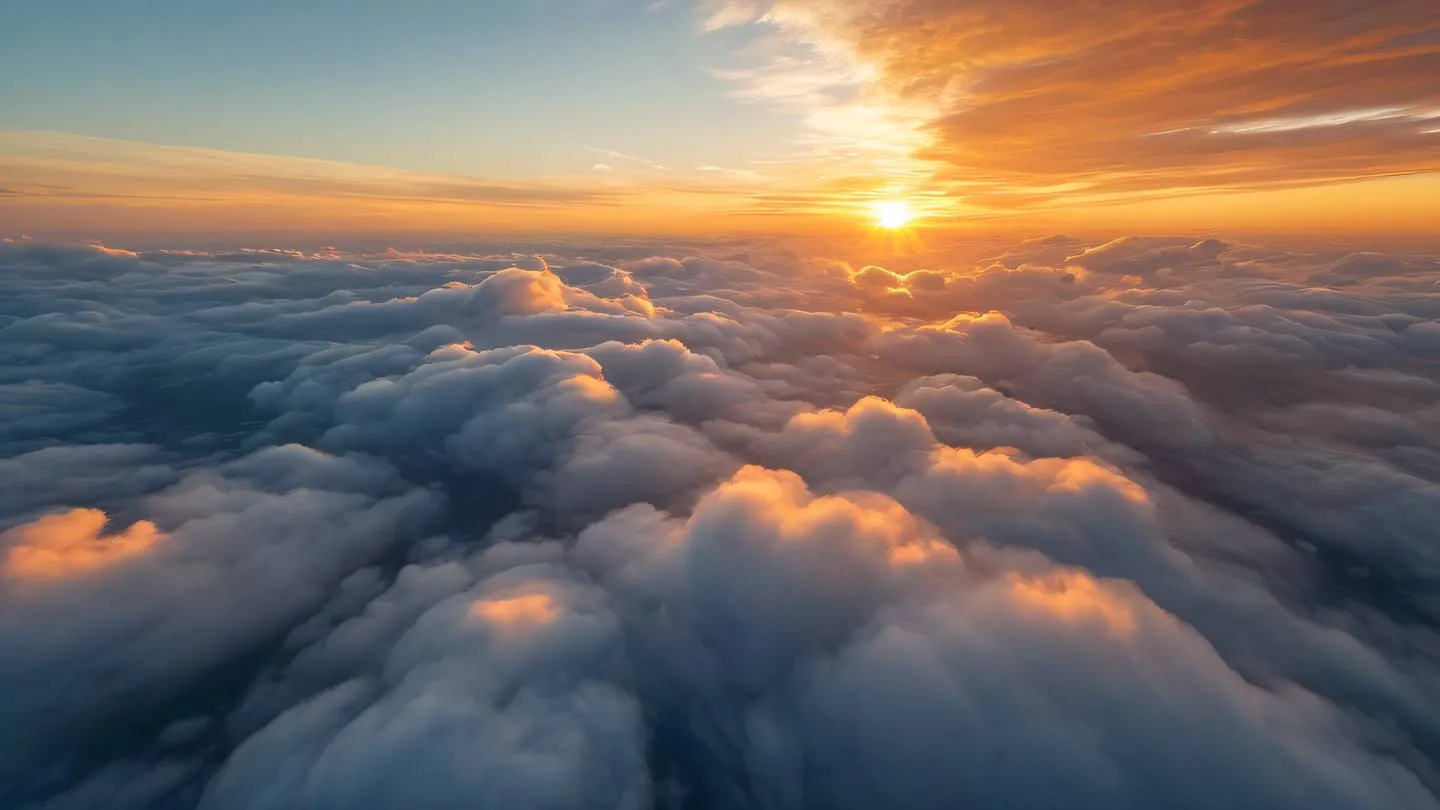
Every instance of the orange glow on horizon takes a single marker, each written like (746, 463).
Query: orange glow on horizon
(117, 189)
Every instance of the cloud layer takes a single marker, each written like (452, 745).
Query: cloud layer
(719, 525)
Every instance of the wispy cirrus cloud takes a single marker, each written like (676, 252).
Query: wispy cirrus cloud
(73, 186)
(44, 164)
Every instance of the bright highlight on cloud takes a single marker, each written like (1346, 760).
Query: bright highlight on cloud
(71, 544)
(719, 524)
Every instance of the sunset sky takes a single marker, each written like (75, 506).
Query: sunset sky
(719, 404)
(438, 117)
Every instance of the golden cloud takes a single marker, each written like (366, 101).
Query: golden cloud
(72, 544)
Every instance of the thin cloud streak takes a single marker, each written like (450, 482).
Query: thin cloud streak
(60, 185)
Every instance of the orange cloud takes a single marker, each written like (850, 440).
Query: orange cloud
(73, 544)
(1072, 596)
(1018, 103)
(516, 611)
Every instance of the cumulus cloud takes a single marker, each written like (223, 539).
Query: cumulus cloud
(1146, 522)
(501, 696)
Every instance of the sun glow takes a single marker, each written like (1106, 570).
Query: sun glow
(893, 214)
(894, 231)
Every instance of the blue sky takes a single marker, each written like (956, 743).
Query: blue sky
(500, 89)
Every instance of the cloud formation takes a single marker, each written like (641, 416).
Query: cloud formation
(1055, 523)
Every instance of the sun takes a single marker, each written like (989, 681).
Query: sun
(893, 214)
(894, 231)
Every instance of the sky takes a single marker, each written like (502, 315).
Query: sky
(484, 89)
(448, 118)
(719, 405)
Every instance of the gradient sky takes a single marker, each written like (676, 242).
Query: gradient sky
(480, 88)
(447, 117)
